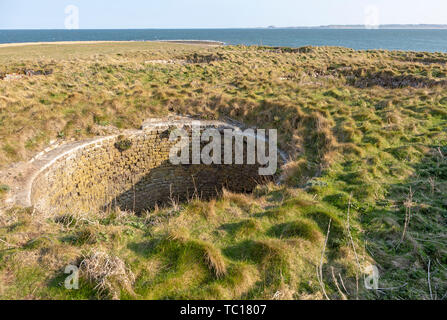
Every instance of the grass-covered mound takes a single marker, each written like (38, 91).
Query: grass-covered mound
(366, 132)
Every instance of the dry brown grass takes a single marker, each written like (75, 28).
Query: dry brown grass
(214, 258)
(108, 273)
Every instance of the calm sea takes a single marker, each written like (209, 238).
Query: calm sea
(415, 40)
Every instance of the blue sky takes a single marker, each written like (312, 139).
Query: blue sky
(102, 14)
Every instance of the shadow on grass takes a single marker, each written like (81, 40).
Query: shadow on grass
(86, 290)
(145, 249)
(403, 248)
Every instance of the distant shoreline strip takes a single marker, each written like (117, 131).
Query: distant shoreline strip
(209, 42)
(192, 42)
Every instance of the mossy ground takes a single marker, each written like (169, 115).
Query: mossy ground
(365, 131)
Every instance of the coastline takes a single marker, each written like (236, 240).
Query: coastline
(187, 42)
(400, 40)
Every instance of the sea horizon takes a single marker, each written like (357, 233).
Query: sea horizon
(429, 40)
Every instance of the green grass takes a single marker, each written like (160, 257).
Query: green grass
(301, 228)
(363, 129)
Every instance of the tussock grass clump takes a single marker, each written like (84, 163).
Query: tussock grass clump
(181, 242)
(272, 257)
(302, 200)
(300, 228)
(340, 200)
(205, 209)
(297, 172)
(239, 280)
(180, 235)
(322, 215)
(243, 201)
(212, 256)
(291, 207)
(406, 153)
(353, 149)
(274, 260)
(281, 213)
(108, 273)
(320, 139)
(247, 227)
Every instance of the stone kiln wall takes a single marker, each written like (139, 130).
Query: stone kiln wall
(98, 175)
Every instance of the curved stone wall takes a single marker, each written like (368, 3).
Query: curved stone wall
(131, 171)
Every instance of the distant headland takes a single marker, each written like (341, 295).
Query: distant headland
(361, 26)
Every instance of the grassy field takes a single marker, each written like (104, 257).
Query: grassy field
(366, 132)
